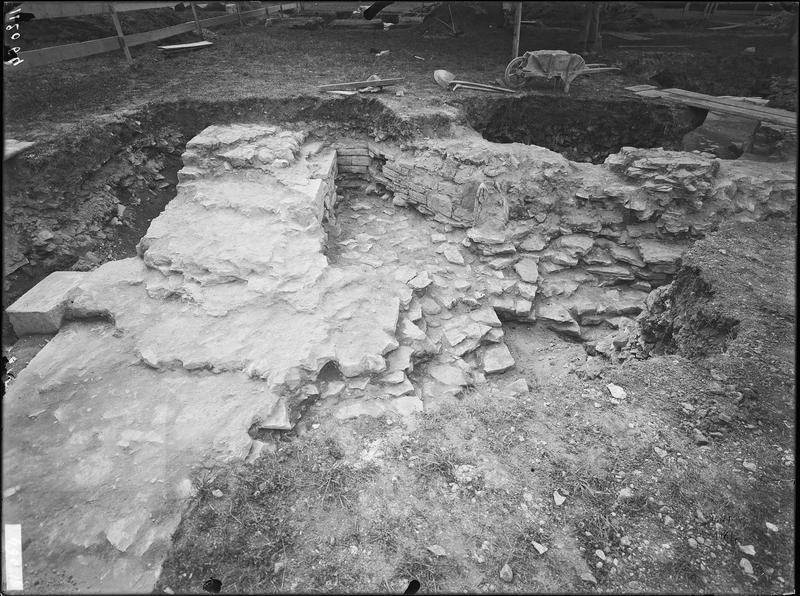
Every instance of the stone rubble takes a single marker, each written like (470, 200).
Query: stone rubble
(232, 309)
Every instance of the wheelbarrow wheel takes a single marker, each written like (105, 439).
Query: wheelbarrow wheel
(515, 74)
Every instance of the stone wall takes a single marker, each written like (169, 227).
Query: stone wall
(561, 233)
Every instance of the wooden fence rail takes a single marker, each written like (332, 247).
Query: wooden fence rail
(33, 58)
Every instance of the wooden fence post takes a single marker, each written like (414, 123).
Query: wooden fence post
(120, 34)
(517, 26)
(196, 20)
(239, 14)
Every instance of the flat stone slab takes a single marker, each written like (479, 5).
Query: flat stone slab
(41, 309)
(229, 311)
(497, 358)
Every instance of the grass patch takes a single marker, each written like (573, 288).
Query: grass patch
(239, 535)
(429, 570)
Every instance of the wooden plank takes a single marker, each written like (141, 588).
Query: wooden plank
(12, 147)
(186, 46)
(282, 7)
(57, 10)
(67, 52)
(120, 34)
(138, 39)
(196, 19)
(83, 49)
(360, 84)
(751, 111)
(732, 102)
(517, 23)
(628, 36)
(726, 27)
(655, 47)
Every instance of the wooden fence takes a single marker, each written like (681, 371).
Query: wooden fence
(33, 58)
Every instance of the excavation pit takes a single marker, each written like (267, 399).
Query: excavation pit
(349, 271)
(583, 130)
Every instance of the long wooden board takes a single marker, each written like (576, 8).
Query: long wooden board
(628, 36)
(186, 46)
(725, 106)
(361, 84)
(731, 102)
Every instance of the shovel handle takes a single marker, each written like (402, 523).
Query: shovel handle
(481, 86)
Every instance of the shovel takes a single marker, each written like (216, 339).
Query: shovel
(445, 78)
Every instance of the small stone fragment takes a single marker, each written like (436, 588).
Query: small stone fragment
(217, 493)
(626, 493)
(452, 254)
(588, 577)
(600, 554)
(540, 548)
(692, 542)
(437, 550)
(558, 498)
(497, 359)
(517, 388)
(748, 549)
(616, 391)
(746, 566)
(420, 281)
(528, 270)
(771, 527)
(506, 574)
(748, 465)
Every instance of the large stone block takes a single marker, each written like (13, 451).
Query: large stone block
(41, 309)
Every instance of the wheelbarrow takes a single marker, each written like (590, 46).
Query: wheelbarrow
(549, 64)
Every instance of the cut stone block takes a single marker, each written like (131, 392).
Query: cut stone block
(497, 359)
(41, 309)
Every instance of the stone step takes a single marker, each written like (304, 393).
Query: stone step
(41, 309)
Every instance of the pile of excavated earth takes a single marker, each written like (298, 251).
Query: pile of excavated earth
(254, 295)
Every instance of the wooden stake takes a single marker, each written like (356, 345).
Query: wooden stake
(517, 23)
(239, 14)
(597, 43)
(196, 20)
(120, 34)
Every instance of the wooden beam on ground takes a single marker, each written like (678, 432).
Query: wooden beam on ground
(120, 34)
(360, 84)
(724, 106)
(629, 36)
(13, 147)
(517, 26)
(197, 45)
(196, 19)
